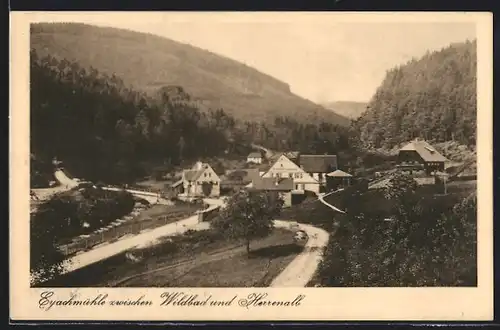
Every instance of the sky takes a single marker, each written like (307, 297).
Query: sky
(324, 57)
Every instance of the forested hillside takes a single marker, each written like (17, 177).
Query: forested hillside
(150, 62)
(105, 131)
(433, 98)
(102, 129)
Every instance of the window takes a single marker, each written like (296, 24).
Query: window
(290, 175)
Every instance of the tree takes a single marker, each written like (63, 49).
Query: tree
(249, 215)
(400, 191)
(46, 260)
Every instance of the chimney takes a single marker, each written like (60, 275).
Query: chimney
(198, 165)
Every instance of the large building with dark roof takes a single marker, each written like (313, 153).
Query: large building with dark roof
(318, 166)
(418, 155)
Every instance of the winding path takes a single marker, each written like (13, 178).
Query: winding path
(322, 200)
(66, 183)
(146, 237)
(301, 270)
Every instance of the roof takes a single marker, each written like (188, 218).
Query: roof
(318, 163)
(276, 156)
(194, 174)
(173, 185)
(339, 174)
(283, 184)
(425, 150)
(292, 154)
(255, 154)
(243, 175)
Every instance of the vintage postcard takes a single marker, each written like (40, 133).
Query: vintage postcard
(184, 166)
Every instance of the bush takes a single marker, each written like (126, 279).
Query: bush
(94, 206)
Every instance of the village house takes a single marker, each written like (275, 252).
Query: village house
(281, 186)
(317, 166)
(285, 168)
(255, 157)
(418, 155)
(200, 181)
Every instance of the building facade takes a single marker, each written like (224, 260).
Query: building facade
(420, 156)
(200, 181)
(254, 157)
(285, 168)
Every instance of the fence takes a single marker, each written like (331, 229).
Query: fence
(113, 234)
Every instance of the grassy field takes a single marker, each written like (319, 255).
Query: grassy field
(201, 258)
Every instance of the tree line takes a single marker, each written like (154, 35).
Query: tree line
(288, 134)
(433, 98)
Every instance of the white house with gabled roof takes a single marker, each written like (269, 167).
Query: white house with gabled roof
(199, 181)
(283, 167)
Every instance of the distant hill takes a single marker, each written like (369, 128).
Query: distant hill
(348, 109)
(433, 97)
(149, 63)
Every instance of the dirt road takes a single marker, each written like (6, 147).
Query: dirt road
(301, 270)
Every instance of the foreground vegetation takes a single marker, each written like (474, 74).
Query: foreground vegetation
(401, 236)
(67, 215)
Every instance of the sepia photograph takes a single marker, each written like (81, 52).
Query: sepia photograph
(185, 150)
